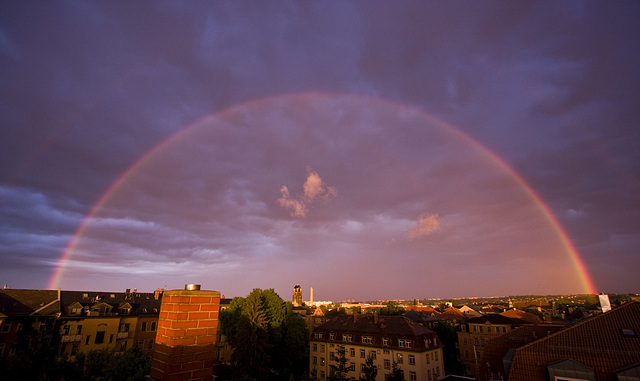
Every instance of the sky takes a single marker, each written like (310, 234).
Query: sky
(370, 150)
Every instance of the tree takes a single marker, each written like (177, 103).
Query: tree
(370, 370)
(340, 369)
(396, 374)
(447, 334)
(391, 308)
(268, 340)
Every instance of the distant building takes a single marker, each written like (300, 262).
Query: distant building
(604, 347)
(297, 296)
(415, 349)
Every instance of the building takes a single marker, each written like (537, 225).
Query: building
(501, 348)
(84, 320)
(107, 320)
(604, 347)
(23, 310)
(415, 349)
(297, 296)
(476, 332)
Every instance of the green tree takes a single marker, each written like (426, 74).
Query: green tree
(340, 369)
(250, 349)
(391, 308)
(396, 374)
(370, 370)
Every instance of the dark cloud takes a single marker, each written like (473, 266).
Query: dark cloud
(89, 89)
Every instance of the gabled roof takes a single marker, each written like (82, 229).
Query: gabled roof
(141, 303)
(16, 302)
(606, 343)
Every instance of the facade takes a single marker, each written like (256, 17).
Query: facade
(107, 320)
(415, 349)
(83, 320)
(604, 347)
(474, 335)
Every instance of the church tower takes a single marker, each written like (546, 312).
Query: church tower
(297, 296)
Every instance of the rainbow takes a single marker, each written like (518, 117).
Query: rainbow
(587, 283)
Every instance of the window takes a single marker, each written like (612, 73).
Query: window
(387, 364)
(315, 347)
(373, 354)
(79, 329)
(153, 326)
(475, 328)
(412, 360)
(401, 343)
(352, 366)
(2, 346)
(19, 327)
(412, 376)
(475, 341)
(429, 374)
(400, 356)
(144, 326)
(321, 361)
(86, 340)
(481, 329)
(315, 360)
(363, 367)
(385, 341)
(464, 328)
(140, 343)
(322, 374)
(99, 337)
(504, 329)
(466, 353)
(150, 345)
(65, 329)
(428, 361)
(111, 338)
(322, 348)
(407, 344)
(332, 356)
(436, 356)
(385, 351)
(362, 353)
(318, 335)
(464, 340)
(332, 336)
(5, 327)
(352, 352)
(482, 342)
(367, 339)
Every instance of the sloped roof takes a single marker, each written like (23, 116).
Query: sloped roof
(606, 342)
(396, 327)
(17, 302)
(141, 303)
(519, 314)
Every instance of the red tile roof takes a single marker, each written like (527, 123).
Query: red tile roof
(606, 343)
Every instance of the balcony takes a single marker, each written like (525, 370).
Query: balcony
(70, 338)
(122, 335)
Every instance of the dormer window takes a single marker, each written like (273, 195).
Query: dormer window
(628, 332)
(367, 339)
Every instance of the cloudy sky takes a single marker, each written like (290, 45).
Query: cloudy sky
(369, 150)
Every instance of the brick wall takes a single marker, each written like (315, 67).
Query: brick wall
(185, 342)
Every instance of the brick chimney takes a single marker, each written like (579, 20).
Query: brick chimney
(184, 348)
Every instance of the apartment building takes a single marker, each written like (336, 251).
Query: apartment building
(415, 349)
(476, 332)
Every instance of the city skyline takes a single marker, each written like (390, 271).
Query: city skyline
(415, 150)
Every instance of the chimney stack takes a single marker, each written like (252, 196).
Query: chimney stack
(186, 336)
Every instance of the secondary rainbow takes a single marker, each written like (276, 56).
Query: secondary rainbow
(580, 267)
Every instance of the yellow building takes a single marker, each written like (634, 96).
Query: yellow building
(416, 350)
(97, 320)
